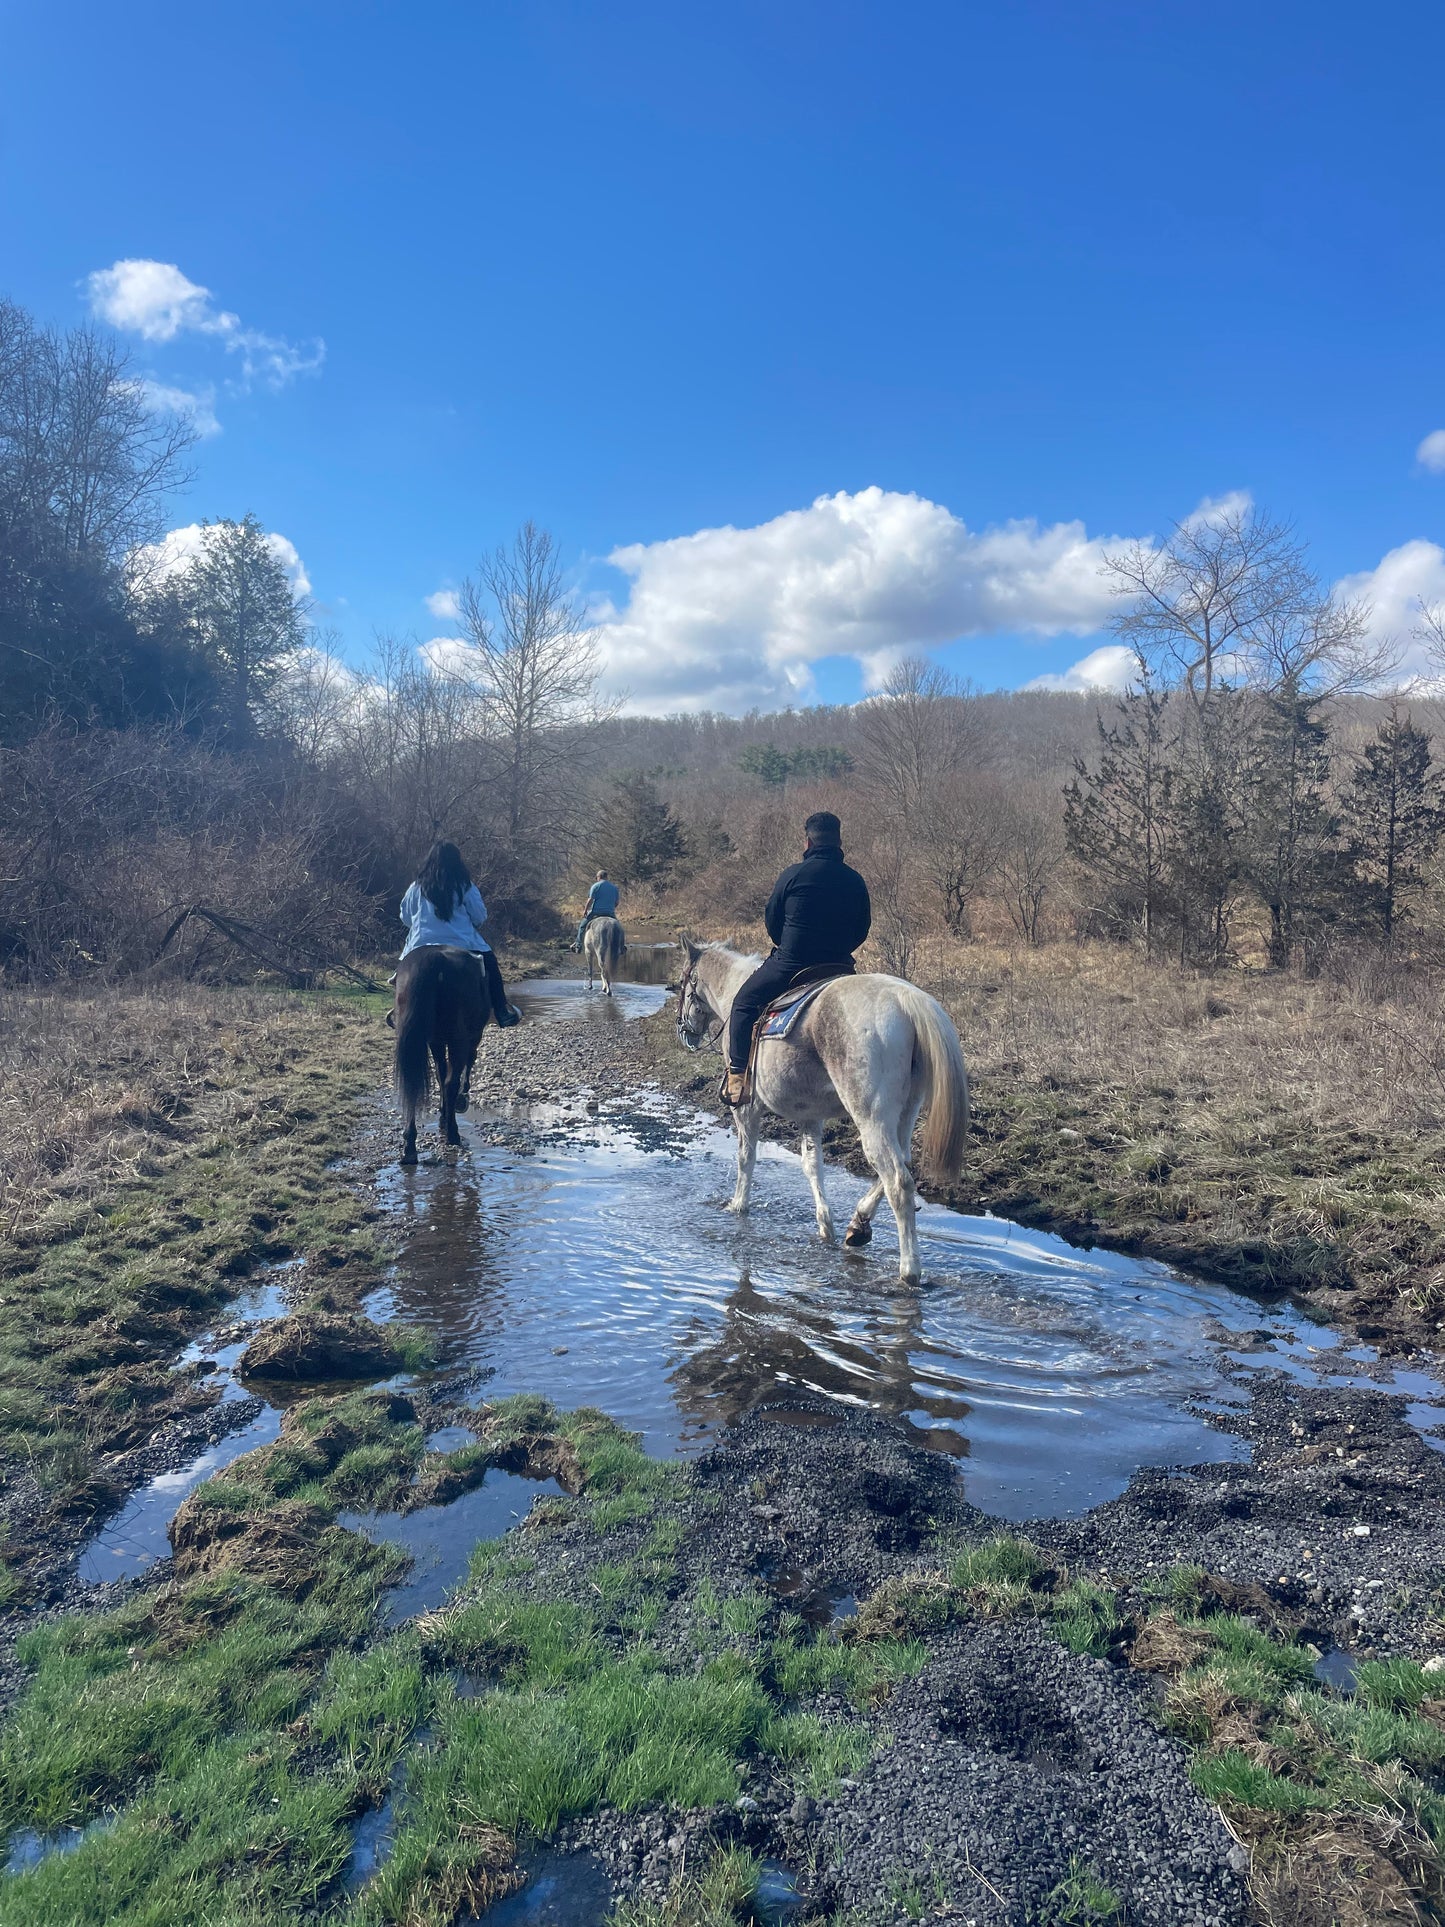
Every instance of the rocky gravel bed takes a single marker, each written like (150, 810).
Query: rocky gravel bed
(1339, 1515)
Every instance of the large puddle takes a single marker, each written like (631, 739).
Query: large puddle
(600, 1269)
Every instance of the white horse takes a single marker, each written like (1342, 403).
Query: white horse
(603, 943)
(873, 1048)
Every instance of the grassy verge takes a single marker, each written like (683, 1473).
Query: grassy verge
(219, 1737)
(175, 1143)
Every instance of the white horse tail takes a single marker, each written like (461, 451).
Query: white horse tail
(615, 942)
(945, 1135)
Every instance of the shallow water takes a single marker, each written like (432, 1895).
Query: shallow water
(562, 1890)
(135, 1537)
(27, 1848)
(601, 1269)
(440, 1538)
(639, 989)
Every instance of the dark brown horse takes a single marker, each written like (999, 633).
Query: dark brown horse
(442, 1008)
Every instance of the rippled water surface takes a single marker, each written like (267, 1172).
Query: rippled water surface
(602, 1269)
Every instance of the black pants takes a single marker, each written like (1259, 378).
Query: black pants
(492, 971)
(769, 980)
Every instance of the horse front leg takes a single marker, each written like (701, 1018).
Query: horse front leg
(812, 1149)
(747, 1129)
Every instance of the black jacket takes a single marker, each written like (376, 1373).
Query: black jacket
(819, 911)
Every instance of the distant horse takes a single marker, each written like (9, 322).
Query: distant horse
(442, 1008)
(873, 1048)
(603, 943)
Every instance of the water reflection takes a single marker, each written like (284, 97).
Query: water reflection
(602, 1270)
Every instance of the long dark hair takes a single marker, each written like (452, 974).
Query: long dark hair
(444, 879)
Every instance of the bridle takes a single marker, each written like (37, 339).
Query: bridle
(690, 1040)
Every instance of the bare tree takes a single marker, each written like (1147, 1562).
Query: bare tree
(922, 725)
(961, 836)
(1030, 861)
(1198, 605)
(539, 669)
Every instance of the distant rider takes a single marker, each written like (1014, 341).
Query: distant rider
(602, 901)
(444, 906)
(817, 917)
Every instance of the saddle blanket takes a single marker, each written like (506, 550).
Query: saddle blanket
(783, 1012)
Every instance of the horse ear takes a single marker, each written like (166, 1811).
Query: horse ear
(694, 950)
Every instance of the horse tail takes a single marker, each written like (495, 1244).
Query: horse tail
(616, 944)
(415, 1017)
(945, 1135)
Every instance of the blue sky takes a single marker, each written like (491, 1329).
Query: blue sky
(640, 271)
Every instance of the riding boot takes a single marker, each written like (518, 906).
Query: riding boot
(734, 1088)
(504, 1013)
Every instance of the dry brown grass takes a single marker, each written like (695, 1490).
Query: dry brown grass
(1279, 1133)
(96, 1086)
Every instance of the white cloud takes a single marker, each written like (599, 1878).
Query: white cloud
(450, 656)
(154, 300)
(1431, 452)
(198, 403)
(444, 605)
(286, 554)
(728, 618)
(1113, 667)
(1402, 584)
(179, 548)
(1214, 509)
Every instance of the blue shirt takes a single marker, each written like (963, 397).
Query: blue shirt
(463, 928)
(602, 898)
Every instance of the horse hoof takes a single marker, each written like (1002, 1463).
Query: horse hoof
(408, 1158)
(463, 1104)
(858, 1235)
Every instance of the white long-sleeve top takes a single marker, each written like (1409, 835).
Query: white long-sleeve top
(463, 928)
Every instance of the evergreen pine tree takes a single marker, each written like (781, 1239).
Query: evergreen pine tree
(637, 838)
(1394, 817)
(1117, 817)
(1292, 827)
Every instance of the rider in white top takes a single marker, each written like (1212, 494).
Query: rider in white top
(445, 907)
(463, 928)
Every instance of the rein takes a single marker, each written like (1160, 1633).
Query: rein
(709, 1041)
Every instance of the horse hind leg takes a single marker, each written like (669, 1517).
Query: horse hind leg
(886, 1156)
(860, 1225)
(812, 1150)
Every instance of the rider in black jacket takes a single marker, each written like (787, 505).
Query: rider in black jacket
(817, 917)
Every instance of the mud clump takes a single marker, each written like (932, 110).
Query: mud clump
(278, 1545)
(311, 1347)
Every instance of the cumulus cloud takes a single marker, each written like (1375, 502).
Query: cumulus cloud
(1113, 667)
(154, 300)
(729, 618)
(1431, 452)
(1401, 586)
(179, 548)
(444, 605)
